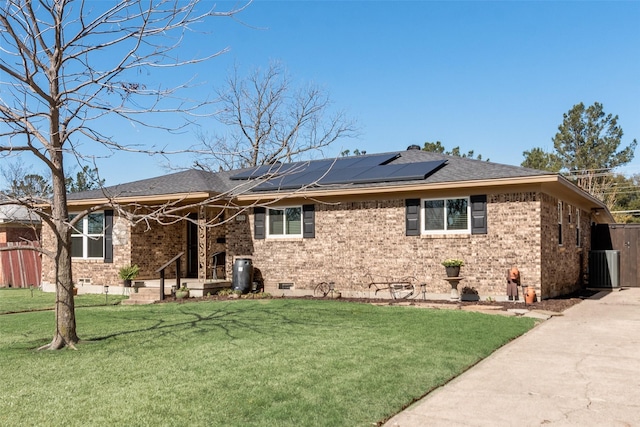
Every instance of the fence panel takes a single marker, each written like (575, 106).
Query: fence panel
(20, 268)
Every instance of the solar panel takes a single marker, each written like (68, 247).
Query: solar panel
(342, 176)
(384, 173)
(401, 172)
(362, 161)
(353, 175)
(325, 164)
(257, 171)
(292, 181)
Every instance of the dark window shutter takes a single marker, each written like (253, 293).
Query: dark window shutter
(478, 214)
(259, 224)
(108, 236)
(308, 221)
(413, 217)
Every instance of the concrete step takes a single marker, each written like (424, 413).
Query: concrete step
(145, 295)
(148, 293)
(133, 301)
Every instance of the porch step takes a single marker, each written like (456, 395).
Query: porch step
(145, 296)
(149, 293)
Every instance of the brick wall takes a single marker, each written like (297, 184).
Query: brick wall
(155, 245)
(97, 270)
(357, 239)
(148, 245)
(566, 264)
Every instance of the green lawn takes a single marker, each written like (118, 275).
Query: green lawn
(21, 299)
(272, 362)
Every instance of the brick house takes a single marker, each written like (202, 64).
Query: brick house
(383, 216)
(18, 225)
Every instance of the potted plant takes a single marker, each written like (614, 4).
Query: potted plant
(183, 292)
(469, 294)
(128, 273)
(452, 266)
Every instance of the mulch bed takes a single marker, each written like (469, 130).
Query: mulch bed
(557, 305)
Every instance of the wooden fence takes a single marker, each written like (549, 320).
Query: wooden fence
(20, 268)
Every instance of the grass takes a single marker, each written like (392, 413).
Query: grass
(14, 300)
(272, 362)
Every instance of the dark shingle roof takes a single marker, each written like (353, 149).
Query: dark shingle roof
(191, 181)
(465, 169)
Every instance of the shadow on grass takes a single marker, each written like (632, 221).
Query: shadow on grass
(231, 318)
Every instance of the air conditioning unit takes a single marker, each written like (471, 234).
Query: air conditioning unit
(604, 269)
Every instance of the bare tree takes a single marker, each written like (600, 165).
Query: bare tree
(64, 66)
(270, 120)
(24, 184)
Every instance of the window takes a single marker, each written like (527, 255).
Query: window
(285, 222)
(446, 216)
(87, 239)
(560, 223)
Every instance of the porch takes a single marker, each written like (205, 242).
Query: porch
(148, 291)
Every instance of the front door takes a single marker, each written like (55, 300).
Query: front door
(192, 246)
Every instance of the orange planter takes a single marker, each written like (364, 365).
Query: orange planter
(530, 296)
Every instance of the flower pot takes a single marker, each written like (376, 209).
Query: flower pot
(530, 295)
(182, 294)
(75, 291)
(126, 283)
(453, 271)
(469, 297)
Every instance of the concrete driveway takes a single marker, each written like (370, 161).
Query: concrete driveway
(580, 369)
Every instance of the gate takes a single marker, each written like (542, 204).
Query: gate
(624, 238)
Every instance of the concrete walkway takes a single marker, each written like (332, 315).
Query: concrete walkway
(580, 369)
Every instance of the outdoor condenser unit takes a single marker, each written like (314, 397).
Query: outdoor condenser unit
(604, 269)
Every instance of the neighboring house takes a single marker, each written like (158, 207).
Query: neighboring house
(17, 224)
(18, 227)
(349, 219)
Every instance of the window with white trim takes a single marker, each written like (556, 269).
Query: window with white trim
(446, 216)
(284, 222)
(87, 238)
(560, 223)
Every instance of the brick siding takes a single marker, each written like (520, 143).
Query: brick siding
(97, 270)
(357, 241)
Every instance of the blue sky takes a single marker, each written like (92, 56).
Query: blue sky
(493, 77)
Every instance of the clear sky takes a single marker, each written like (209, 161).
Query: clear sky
(493, 77)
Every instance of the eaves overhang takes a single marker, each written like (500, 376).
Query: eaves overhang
(402, 188)
(178, 198)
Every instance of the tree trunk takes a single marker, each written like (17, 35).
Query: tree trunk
(65, 335)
